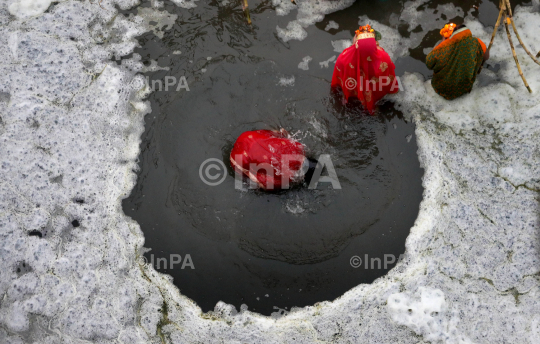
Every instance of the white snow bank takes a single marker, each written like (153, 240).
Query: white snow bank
(427, 316)
(70, 126)
(28, 8)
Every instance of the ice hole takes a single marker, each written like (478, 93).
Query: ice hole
(297, 246)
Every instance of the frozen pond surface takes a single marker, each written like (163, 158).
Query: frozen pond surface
(70, 129)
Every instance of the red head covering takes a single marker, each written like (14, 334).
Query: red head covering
(268, 158)
(364, 70)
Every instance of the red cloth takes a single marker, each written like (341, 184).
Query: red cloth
(276, 159)
(365, 71)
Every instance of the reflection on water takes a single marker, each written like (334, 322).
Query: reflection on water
(293, 246)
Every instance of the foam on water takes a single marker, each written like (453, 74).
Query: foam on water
(341, 44)
(70, 126)
(304, 65)
(326, 63)
(309, 13)
(331, 25)
(417, 13)
(156, 21)
(286, 81)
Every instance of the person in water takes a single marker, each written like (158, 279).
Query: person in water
(272, 159)
(456, 61)
(364, 70)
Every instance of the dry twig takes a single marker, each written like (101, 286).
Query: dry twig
(506, 10)
(517, 34)
(245, 6)
(514, 54)
(496, 28)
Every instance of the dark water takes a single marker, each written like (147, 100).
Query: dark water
(248, 247)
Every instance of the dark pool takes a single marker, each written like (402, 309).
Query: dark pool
(271, 251)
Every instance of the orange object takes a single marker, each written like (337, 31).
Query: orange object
(448, 30)
(364, 29)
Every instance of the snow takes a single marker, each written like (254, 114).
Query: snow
(28, 8)
(426, 315)
(70, 127)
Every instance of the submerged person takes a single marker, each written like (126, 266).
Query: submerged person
(456, 61)
(272, 159)
(364, 70)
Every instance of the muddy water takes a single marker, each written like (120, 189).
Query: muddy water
(270, 251)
